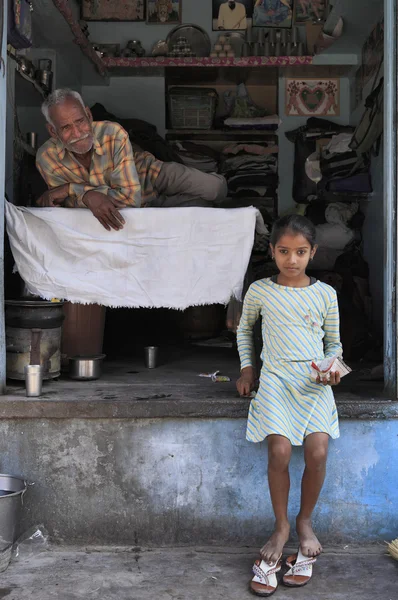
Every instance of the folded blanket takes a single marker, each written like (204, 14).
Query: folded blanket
(163, 257)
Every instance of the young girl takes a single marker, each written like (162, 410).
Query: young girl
(300, 324)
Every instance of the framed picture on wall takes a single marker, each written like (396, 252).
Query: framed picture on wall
(163, 12)
(310, 11)
(273, 13)
(230, 15)
(312, 97)
(103, 10)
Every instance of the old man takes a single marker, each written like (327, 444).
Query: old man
(92, 165)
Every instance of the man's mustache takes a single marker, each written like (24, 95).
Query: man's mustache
(79, 139)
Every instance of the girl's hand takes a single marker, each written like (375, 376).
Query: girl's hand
(245, 383)
(334, 379)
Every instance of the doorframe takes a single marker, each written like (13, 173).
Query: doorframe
(390, 197)
(389, 204)
(3, 108)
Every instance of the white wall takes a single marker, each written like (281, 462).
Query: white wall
(141, 97)
(134, 97)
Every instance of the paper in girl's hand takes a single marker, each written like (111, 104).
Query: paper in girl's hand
(324, 367)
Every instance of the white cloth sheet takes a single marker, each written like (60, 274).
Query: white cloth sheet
(163, 257)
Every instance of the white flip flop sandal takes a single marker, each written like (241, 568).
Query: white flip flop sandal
(265, 582)
(300, 570)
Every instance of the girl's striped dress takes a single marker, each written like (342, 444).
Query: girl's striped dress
(299, 325)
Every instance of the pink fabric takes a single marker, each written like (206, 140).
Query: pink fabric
(250, 61)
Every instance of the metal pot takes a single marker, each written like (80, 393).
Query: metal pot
(86, 368)
(28, 314)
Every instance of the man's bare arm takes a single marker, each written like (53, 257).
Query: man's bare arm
(54, 197)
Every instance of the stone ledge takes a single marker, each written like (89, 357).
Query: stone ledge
(129, 403)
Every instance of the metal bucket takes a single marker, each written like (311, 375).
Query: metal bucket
(12, 489)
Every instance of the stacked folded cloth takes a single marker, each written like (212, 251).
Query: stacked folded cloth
(251, 170)
(198, 156)
(267, 123)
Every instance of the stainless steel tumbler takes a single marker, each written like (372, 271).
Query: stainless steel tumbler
(33, 380)
(151, 357)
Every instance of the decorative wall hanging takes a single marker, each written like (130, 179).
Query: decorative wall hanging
(103, 10)
(229, 15)
(373, 53)
(163, 12)
(273, 13)
(309, 11)
(312, 97)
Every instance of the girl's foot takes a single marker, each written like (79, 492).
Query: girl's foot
(310, 545)
(272, 550)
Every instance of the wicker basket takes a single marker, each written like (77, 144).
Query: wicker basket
(192, 108)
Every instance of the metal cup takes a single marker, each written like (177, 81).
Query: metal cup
(31, 138)
(151, 357)
(300, 49)
(33, 380)
(246, 49)
(258, 49)
(261, 36)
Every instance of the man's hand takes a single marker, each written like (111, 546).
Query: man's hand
(105, 209)
(54, 197)
(246, 382)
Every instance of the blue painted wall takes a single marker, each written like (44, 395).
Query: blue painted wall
(3, 104)
(176, 481)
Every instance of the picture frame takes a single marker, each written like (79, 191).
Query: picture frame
(163, 12)
(309, 97)
(273, 13)
(103, 10)
(310, 11)
(227, 19)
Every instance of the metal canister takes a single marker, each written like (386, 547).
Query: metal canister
(151, 356)
(33, 380)
(31, 138)
(258, 49)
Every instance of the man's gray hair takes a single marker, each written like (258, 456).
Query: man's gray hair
(59, 97)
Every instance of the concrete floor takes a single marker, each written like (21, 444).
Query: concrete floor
(364, 573)
(178, 369)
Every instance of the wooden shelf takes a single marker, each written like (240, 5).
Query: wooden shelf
(163, 61)
(220, 134)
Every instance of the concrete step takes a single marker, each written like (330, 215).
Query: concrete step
(190, 573)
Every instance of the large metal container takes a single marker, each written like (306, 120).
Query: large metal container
(33, 336)
(12, 489)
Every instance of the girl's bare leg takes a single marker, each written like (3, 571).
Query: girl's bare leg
(279, 452)
(315, 454)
